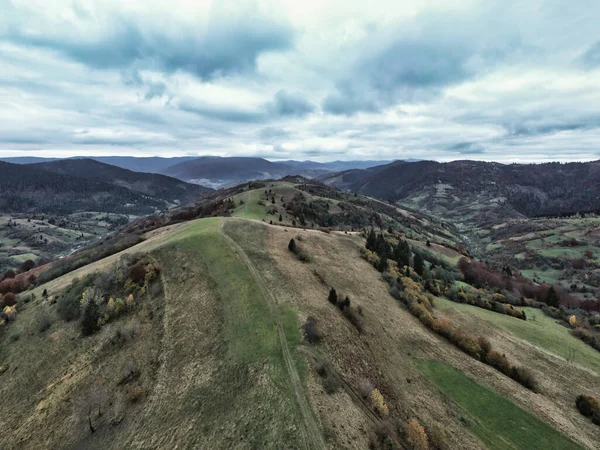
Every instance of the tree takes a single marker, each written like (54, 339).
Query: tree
(332, 296)
(280, 218)
(416, 436)
(552, 298)
(91, 314)
(371, 240)
(419, 264)
(402, 253)
(45, 293)
(292, 246)
(27, 265)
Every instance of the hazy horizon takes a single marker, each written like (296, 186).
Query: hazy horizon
(322, 81)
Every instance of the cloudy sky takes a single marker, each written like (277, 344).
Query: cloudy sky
(314, 79)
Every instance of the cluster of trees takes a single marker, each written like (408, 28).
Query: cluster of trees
(99, 298)
(483, 276)
(421, 306)
(401, 253)
(352, 314)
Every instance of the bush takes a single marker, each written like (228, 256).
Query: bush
(437, 436)
(485, 344)
(354, 318)
(9, 299)
(332, 298)
(416, 436)
(379, 403)
(43, 322)
(311, 333)
(292, 246)
(525, 377)
(331, 384)
(587, 405)
(365, 387)
(14, 336)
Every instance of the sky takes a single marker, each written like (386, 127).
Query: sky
(508, 81)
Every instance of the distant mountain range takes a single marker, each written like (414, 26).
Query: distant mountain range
(66, 186)
(216, 171)
(466, 188)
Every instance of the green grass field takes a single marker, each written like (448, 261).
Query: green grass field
(250, 209)
(538, 329)
(496, 421)
(250, 328)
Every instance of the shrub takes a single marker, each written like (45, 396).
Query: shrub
(485, 344)
(331, 384)
(332, 298)
(416, 436)
(385, 433)
(378, 403)
(587, 405)
(365, 387)
(354, 318)
(311, 333)
(43, 322)
(9, 299)
(292, 246)
(14, 336)
(437, 436)
(525, 377)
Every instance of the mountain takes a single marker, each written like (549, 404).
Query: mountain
(154, 185)
(26, 188)
(218, 171)
(515, 189)
(150, 164)
(214, 170)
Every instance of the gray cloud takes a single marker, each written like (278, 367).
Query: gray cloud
(491, 80)
(227, 45)
(287, 103)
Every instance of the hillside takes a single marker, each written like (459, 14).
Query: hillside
(212, 354)
(27, 188)
(154, 185)
(217, 332)
(460, 187)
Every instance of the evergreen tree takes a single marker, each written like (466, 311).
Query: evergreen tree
(552, 298)
(292, 246)
(332, 297)
(89, 321)
(382, 265)
(419, 264)
(371, 240)
(280, 218)
(402, 253)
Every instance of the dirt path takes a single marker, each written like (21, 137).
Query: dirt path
(311, 429)
(356, 398)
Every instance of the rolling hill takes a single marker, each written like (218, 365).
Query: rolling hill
(26, 188)
(214, 331)
(151, 184)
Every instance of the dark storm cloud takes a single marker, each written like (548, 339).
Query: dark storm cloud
(287, 103)
(223, 47)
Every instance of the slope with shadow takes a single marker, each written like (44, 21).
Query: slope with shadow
(154, 185)
(516, 189)
(26, 188)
